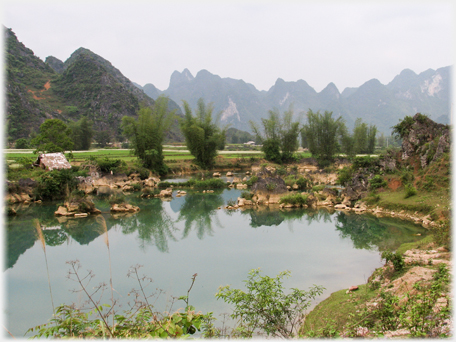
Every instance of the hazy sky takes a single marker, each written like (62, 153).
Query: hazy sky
(345, 42)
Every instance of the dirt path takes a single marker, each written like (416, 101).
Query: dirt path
(46, 87)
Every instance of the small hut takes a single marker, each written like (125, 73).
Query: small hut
(52, 161)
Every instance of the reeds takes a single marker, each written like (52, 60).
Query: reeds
(100, 219)
(43, 245)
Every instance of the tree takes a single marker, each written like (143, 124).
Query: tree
(22, 143)
(347, 142)
(103, 138)
(364, 137)
(54, 136)
(202, 136)
(322, 133)
(146, 134)
(82, 133)
(280, 135)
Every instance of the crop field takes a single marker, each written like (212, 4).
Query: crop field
(170, 153)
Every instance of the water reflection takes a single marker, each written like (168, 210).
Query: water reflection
(152, 224)
(199, 212)
(273, 216)
(370, 232)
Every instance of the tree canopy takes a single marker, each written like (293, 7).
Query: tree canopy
(146, 134)
(54, 136)
(82, 133)
(321, 134)
(202, 135)
(280, 135)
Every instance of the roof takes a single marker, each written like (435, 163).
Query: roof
(53, 161)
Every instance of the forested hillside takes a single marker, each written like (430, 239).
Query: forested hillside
(84, 85)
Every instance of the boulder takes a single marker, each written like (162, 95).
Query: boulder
(340, 206)
(124, 208)
(166, 193)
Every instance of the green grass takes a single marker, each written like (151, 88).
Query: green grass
(414, 245)
(336, 309)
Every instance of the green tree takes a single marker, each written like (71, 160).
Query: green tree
(22, 143)
(54, 136)
(280, 135)
(102, 138)
(146, 134)
(371, 134)
(347, 142)
(322, 133)
(202, 136)
(364, 137)
(82, 133)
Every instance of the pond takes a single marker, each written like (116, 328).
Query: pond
(175, 239)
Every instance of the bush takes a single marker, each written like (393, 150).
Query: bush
(344, 175)
(265, 307)
(107, 165)
(395, 258)
(365, 162)
(377, 182)
(247, 195)
(303, 183)
(294, 199)
(252, 180)
(410, 191)
(55, 184)
(22, 143)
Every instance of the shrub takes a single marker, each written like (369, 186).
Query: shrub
(294, 199)
(395, 258)
(377, 182)
(55, 184)
(22, 143)
(410, 191)
(407, 177)
(107, 165)
(247, 195)
(303, 183)
(281, 170)
(365, 162)
(344, 175)
(265, 307)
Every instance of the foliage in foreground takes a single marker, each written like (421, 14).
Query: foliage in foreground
(142, 320)
(264, 308)
(366, 316)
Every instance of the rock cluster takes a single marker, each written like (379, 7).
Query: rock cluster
(79, 208)
(124, 208)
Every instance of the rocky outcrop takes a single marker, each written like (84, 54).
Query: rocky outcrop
(77, 208)
(424, 138)
(124, 208)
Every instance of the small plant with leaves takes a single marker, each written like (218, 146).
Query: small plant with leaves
(141, 321)
(395, 258)
(264, 308)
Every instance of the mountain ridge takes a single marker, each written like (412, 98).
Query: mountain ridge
(374, 102)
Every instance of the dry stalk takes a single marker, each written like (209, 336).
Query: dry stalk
(43, 245)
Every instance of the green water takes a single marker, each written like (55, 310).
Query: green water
(173, 240)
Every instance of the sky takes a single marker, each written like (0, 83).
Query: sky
(344, 42)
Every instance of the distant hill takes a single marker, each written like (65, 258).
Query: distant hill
(84, 85)
(378, 104)
(88, 85)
